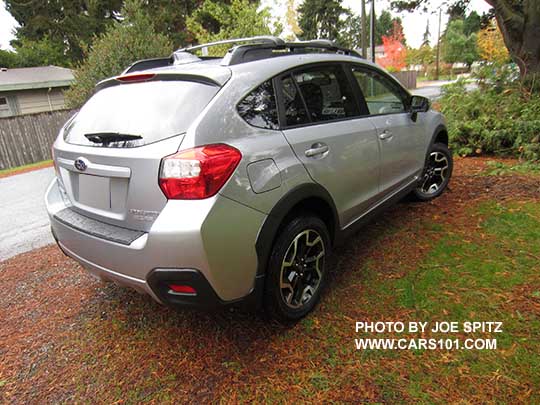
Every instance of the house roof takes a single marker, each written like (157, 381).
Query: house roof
(35, 78)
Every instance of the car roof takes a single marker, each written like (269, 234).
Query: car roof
(261, 69)
(267, 68)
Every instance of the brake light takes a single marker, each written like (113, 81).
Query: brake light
(197, 173)
(141, 77)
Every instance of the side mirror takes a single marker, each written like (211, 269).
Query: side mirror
(419, 104)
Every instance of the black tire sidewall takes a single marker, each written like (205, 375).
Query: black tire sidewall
(441, 148)
(273, 300)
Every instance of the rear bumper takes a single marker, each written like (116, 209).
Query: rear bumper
(210, 243)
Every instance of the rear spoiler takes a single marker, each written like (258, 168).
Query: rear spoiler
(154, 77)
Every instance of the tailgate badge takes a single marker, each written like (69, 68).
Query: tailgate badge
(143, 215)
(81, 164)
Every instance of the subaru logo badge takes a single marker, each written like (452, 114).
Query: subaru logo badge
(80, 164)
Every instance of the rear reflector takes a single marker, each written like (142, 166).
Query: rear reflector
(141, 77)
(182, 289)
(197, 173)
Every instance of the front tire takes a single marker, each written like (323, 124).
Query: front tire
(436, 174)
(296, 270)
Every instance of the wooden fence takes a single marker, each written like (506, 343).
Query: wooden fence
(407, 78)
(26, 139)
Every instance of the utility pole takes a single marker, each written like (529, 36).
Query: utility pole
(364, 30)
(372, 31)
(438, 48)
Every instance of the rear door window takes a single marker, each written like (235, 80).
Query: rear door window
(327, 93)
(140, 113)
(293, 104)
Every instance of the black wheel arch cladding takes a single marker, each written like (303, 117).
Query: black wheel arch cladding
(272, 224)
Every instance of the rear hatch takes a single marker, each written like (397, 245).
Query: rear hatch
(108, 155)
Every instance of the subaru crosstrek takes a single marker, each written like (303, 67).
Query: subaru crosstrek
(204, 181)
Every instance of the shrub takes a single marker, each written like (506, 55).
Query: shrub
(499, 118)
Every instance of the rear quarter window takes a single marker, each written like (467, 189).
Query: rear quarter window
(259, 107)
(150, 111)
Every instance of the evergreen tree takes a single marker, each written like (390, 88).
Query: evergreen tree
(66, 24)
(170, 18)
(427, 34)
(321, 19)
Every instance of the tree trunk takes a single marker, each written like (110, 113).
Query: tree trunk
(521, 33)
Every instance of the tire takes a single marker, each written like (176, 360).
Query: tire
(293, 299)
(436, 174)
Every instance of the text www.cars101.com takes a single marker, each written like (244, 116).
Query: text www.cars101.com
(425, 344)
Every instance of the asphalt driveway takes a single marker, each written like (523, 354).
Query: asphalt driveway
(24, 224)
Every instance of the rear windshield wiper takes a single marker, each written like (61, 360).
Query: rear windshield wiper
(109, 137)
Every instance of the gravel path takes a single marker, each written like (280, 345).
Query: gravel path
(24, 224)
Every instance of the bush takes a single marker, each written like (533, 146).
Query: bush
(499, 118)
(122, 44)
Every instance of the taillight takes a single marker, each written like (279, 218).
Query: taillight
(197, 173)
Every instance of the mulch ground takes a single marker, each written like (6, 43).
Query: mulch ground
(65, 336)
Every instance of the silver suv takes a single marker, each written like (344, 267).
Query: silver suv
(206, 181)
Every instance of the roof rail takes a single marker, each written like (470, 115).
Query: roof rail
(249, 49)
(250, 52)
(266, 39)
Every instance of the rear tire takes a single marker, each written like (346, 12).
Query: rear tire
(436, 174)
(296, 269)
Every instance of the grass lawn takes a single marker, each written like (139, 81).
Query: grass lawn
(26, 168)
(471, 255)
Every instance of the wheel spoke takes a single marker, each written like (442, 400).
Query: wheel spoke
(295, 250)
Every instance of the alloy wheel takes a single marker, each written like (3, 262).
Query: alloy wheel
(302, 268)
(435, 173)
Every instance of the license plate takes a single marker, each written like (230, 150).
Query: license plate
(95, 191)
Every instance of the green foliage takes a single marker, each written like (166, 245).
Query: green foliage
(122, 44)
(8, 59)
(29, 53)
(321, 19)
(498, 119)
(472, 23)
(216, 21)
(457, 45)
(42, 52)
(170, 18)
(425, 55)
(495, 168)
(351, 34)
(68, 25)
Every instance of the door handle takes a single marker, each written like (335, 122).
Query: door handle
(317, 149)
(386, 134)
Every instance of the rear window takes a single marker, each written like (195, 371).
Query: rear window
(137, 114)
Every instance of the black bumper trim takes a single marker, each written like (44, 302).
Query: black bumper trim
(206, 298)
(96, 228)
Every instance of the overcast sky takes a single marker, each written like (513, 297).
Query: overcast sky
(414, 24)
